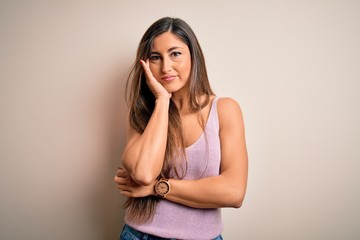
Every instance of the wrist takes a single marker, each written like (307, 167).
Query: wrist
(162, 187)
(162, 99)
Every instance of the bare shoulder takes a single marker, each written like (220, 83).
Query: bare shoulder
(228, 107)
(229, 111)
(228, 103)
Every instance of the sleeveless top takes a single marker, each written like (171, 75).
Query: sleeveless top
(173, 220)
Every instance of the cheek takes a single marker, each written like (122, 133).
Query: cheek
(152, 67)
(186, 67)
(155, 70)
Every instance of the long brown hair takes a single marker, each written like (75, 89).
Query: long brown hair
(141, 102)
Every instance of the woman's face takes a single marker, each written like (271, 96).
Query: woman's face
(170, 62)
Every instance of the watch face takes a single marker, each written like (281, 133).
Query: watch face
(162, 188)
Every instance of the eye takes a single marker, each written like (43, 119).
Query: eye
(175, 54)
(154, 57)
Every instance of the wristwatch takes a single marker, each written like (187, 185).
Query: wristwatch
(162, 187)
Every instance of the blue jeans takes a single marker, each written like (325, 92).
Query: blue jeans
(128, 233)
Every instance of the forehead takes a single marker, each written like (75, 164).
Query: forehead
(167, 40)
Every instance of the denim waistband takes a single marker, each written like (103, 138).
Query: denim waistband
(129, 233)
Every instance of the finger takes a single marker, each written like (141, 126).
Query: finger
(126, 193)
(145, 64)
(122, 173)
(116, 178)
(121, 179)
(125, 188)
(146, 67)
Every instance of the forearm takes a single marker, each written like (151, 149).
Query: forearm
(212, 192)
(143, 158)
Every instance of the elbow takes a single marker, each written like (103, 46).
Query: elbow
(236, 199)
(139, 176)
(143, 179)
(237, 204)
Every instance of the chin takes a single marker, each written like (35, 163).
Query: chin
(171, 90)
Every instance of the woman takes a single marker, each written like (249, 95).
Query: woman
(185, 156)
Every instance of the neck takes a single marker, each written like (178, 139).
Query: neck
(181, 101)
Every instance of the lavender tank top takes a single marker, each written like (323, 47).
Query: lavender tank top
(173, 220)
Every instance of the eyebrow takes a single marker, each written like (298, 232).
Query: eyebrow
(170, 49)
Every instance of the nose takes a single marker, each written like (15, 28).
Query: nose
(166, 65)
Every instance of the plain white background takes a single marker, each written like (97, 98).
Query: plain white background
(292, 65)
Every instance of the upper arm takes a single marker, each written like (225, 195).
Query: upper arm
(131, 133)
(234, 159)
(131, 136)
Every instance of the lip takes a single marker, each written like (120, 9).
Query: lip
(168, 77)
